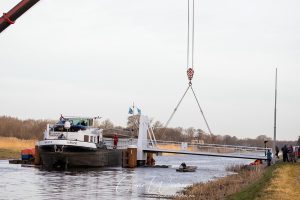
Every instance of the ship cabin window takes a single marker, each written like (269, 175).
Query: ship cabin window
(86, 138)
(78, 121)
(98, 139)
(90, 122)
(91, 139)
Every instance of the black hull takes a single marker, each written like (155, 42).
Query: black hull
(76, 157)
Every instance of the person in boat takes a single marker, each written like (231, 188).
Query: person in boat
(182, 166)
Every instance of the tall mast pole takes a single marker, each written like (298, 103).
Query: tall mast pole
(133, 109)
(132, 121)
(275, 112)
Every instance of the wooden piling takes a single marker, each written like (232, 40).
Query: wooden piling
(37, 157)
(132, 156)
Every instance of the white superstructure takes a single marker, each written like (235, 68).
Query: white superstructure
(75, 131)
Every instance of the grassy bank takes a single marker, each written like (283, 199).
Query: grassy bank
(10, 147)
(278, 182)
(224, 187)
(282, 182)
(253, 190)
(9, 154)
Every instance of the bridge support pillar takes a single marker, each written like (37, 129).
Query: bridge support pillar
(142, 140)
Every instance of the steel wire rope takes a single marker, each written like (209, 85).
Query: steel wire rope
(188, 37)
(201, 111)
(187, 64)
(188, 58)
(189, 54)
(178, 104)
(193, 32)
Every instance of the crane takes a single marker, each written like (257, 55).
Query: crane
(9, 18)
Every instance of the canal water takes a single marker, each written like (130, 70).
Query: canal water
(17, 182)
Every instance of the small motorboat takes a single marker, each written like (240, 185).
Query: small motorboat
(187, 169)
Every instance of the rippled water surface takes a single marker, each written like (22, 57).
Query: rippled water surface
(17, 182)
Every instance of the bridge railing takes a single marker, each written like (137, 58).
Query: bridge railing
(122, 143)
(189, 147)
(212, 148)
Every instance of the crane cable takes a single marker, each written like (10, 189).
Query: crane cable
(170, 118)
(201, 111)
(190, 69)
(188, 37)
(190, 41)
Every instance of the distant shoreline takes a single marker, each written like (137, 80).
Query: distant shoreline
(10, 147)
(7, 154)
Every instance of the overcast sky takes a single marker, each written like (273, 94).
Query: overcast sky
(96, 57)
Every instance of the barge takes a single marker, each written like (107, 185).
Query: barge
(77, 142)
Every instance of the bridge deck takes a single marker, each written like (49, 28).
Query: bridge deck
(227, 155)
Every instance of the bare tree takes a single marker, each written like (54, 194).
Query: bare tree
(190, 133)
(23, 129)
(157, 125)
(132, 121)
(106, 124)
(200, 134)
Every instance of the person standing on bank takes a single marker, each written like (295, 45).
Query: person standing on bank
(284, 153)
(277, 152)
(290, 153)
(269, 157)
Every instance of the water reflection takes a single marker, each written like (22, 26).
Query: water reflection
(109, 183)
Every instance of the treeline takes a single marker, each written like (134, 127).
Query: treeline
(33, 129)
(191, 134)
(22, 129)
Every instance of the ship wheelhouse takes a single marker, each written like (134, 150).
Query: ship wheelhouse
(74, 129)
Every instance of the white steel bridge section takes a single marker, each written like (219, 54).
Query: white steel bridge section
(147, 143)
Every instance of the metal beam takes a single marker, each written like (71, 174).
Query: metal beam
(11, 16)
(206, 154)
